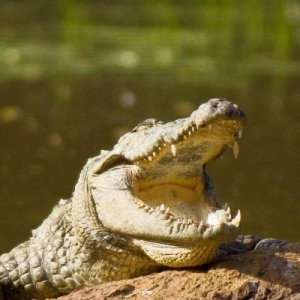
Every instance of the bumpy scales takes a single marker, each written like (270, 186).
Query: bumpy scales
(147, 203)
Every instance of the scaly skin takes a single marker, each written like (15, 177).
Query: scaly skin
(147, 203)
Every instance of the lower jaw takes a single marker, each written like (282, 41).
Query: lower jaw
(180, 256)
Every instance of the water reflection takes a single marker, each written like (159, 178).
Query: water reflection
(76, 76)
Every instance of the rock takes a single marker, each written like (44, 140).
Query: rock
(261, 274)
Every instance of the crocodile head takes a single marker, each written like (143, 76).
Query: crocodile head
(153, 187)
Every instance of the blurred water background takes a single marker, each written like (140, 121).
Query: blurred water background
(75, 75)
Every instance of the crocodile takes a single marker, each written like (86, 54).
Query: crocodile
(148, 203)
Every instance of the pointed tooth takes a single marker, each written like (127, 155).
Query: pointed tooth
(236, 221)
(167, 211)
(193, 128)
(184, 137)
(189, 132)
(240, 133)
(209, 126)
(162, 207)
(173, 149)
(154, 154)
(228, 209)
(159, 148)
(157, 208)
(225, 206)
(150, 158)
(235, 149)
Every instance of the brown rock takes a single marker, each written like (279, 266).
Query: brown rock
(262, 274)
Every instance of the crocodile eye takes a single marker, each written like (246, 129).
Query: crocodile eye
(147, 124)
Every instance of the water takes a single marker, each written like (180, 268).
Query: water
(74, 76)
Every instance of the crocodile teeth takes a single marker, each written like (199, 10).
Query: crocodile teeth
(167, 211)
(235, 149)
(236, 221)
(150, 158)
(173, 149)
(154, 154)
(219, 217)
(162, 207)
(228, 210)
(209, 126)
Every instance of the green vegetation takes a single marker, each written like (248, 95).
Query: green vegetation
(192, 41)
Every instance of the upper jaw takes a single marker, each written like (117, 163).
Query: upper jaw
(145, 145)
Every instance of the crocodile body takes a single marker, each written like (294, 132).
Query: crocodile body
(145, 204)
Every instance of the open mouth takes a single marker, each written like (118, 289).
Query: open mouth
(172, 180)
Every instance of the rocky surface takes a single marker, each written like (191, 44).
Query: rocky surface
(260, 274)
